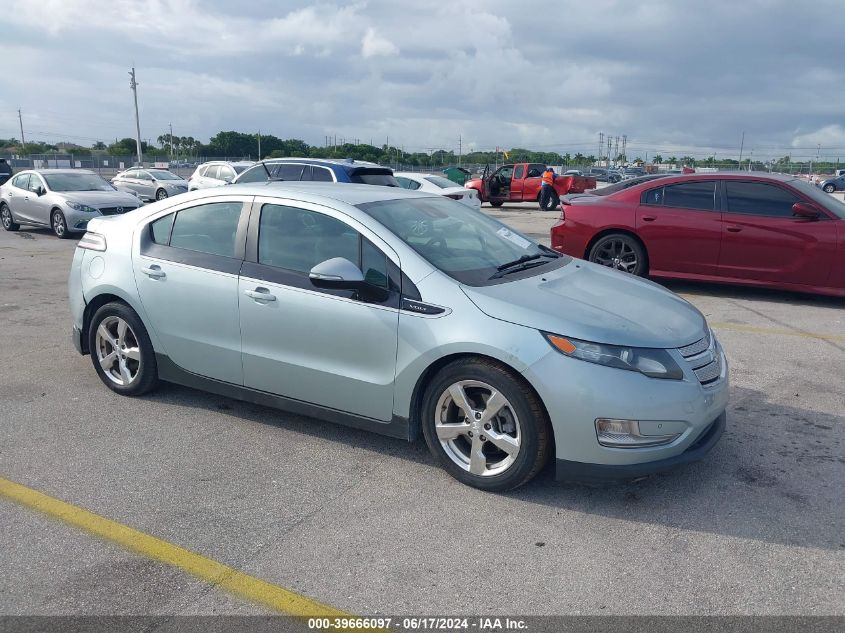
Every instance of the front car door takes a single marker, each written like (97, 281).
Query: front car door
(764, 241)
(145, 185)
(331, 348)
(681, 227)
(186, 269)
(517, 182)
(39, 206)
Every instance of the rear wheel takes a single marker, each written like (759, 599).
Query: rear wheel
(59, 224)
(6, 218)
(829, 188)
(161, 194)
(121, 350)
(484, 426)
(620, 251)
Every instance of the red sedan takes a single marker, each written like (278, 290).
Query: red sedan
(761, 230)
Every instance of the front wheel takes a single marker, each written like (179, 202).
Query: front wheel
(6, 218)
(161, 194)
(484, 426)
(621, 252)
(121, 350)
(59, 224)
(829, 188)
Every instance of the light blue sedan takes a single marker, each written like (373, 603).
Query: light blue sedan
(406, 314)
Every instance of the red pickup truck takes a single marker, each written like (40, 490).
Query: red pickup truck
(521, 182)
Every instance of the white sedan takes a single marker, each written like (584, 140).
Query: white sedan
(432, 183)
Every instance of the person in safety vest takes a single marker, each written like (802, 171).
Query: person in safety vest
(547, 188)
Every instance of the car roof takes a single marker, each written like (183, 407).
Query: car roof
(246, 163)
(61, 171)
(349, 193)
(325, 161)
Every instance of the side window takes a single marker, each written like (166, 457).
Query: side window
(518, 172)
(254, 174)
(35, 182)
(306, 173)
(690, 195)
(211, 171)
(144, 175)
(129, 174)
(226, 172)
(286, 171)
(373, 265)
(21, 182)
(298, 239)
(405, 183)
(321, 174)
(506, 173)
(160, 229)
(208, 228)
(758, 198)
(653, 196)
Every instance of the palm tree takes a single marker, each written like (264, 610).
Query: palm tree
(672, 160)
(657, 160)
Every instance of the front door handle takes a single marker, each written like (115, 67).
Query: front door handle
(734, 229)
(260, 294)
(154, 272)
(649, 218)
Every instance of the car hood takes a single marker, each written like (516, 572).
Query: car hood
(99, 199)
(593, 303)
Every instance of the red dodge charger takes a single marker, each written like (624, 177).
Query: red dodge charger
(744, 228)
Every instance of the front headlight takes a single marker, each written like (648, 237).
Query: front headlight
(78, 206)
(655, 363)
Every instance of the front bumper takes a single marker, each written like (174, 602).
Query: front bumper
(566, 470)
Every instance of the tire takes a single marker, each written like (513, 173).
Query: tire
(520, 425)
(132, 370)
(161, 194)
(59, 224)
(496, 204)
(621, 252)
(7, 220)
(829, 189)
(551, 203)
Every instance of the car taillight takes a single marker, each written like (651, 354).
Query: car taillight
(562, 211)
(92, 242)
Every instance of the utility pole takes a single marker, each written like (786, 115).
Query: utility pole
(616, 150)
(460, 149)
(20, 120)
(171, 141)
(134, 86)
(741, 146)
(601, 147)
(259, 144)
(609, 148)
(625, 147)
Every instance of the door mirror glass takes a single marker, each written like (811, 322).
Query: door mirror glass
(805, 210)
(337, 273)
(40, 190)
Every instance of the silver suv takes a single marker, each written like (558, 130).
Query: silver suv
(406, 314)
(216, 173)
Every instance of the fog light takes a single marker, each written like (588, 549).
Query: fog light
(626, 434)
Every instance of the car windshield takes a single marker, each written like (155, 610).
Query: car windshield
(76, 182)
(161, 174)
(465, 244)
(239, 168)
(443, 183)
(817, 195)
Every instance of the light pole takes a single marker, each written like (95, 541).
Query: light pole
(134, 86)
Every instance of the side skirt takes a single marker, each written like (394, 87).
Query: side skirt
(169, 371)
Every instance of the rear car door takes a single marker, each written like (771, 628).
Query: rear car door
(331, 348)
(764, 241)
(145, 185)
(186, 270)
(517, 182)
(681, 227)
(18, 198)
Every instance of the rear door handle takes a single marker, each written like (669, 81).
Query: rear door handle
(734, 229)
(260, 294)
(649, 218)
(154, 272)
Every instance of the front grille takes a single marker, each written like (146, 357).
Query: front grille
(704, 359)
(116, 210)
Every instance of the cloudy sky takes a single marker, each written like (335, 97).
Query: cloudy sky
(675, 76)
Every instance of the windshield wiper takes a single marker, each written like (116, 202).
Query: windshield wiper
(521, 264)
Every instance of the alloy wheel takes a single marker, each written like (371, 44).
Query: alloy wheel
(118, 351)
(161, 194)
(616, 253)
(59, 227)
(6, 217)
(477, 428)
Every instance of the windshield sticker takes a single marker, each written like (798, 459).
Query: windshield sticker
(513, 237)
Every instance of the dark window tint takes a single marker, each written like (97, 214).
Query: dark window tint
(373, 265)
(407, 183)
(321, 174)
(306, 173)
(160, 229)
(686, 195)
(536, 171)
(373, 177)
(35, 183)
(298, 239)
(518, 172)
(209, 228)
(285, 171)
(254, 174)
(758, 198)
(21, 182)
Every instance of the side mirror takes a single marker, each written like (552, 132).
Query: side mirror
(227, 180)
(339, 273)
(40, 191)
(805, 210)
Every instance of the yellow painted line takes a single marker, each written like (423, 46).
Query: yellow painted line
(753, 329)
(218, 574)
